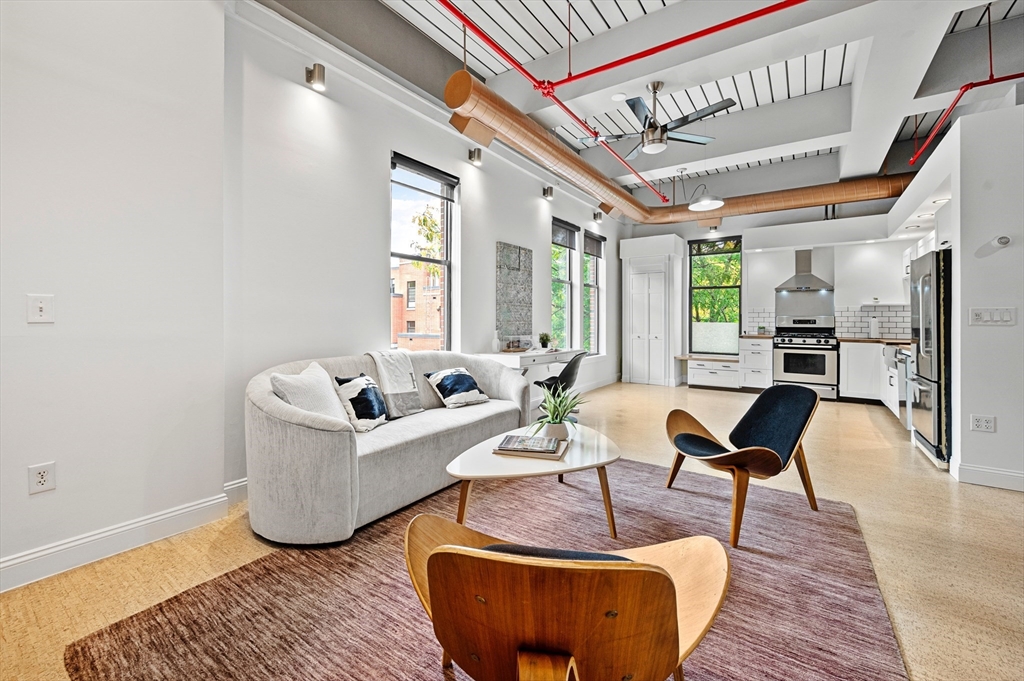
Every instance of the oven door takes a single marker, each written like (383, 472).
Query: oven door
(806, 365)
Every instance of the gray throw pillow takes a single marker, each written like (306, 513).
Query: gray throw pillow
(312, 390)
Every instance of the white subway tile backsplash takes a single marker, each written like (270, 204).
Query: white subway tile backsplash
(851, 321)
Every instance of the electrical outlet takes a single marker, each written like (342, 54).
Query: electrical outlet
(42, 477)
(984, 424)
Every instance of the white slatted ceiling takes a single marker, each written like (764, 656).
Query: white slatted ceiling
(925, 123)
(667, 184)
(974, 17)
(527, 29)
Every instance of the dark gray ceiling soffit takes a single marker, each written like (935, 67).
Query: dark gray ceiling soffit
(370, 32)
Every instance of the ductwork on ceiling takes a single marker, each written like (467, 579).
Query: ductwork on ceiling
(483, 115)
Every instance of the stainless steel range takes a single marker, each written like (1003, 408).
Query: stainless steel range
(806, 350)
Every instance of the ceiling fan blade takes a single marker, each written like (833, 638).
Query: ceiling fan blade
(640, 110)
(608, 138)
(636, 152)
(687, 137)
(699, 114)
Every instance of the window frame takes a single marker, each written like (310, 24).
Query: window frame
(690, 288)
(593, 246)
(569, 294)
(451, 183)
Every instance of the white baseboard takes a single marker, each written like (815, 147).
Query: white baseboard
(35, 564)
(236, 490)
(991, 477)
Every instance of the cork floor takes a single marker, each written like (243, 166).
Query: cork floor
(949, 557)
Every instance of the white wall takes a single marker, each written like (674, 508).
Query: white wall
(112, 132)
(990, 374)
(307, 225)
(868, 271)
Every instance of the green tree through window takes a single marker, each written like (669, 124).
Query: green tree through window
(715, 276)
(561, 292)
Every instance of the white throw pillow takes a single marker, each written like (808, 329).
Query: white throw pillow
(363, 402)
(456, 387)
(311, 390)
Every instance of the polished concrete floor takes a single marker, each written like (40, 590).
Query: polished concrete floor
(949, 557)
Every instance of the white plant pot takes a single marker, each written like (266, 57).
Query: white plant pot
(557, 430)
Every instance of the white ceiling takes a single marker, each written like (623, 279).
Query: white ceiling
(837, 77)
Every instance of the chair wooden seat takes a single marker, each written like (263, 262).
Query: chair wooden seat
(507, 617)
(769, 436)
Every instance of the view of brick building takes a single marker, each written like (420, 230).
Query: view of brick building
(418, 306)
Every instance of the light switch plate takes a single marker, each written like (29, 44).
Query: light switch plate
(39, 308)
(992, 316)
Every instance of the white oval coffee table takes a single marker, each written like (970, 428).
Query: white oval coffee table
(587, 449)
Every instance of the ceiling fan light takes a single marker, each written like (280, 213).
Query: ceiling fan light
(654, 147)
(706, 202)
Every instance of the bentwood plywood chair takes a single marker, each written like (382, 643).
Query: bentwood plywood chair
(506, 612)
(767, 439)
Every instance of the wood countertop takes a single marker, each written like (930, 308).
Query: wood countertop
(760, 336)
(728, 359)
(884, 341)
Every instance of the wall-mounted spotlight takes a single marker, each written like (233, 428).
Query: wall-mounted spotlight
(317, 77)
(549, 193)
(598, 217)
(476, 156)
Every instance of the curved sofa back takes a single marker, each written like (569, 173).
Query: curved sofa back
(491, 376)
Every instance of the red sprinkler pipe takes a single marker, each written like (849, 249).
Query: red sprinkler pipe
(945, 115)
(543, 87)
(771, 9)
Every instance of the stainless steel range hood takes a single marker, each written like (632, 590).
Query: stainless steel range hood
(803, 280)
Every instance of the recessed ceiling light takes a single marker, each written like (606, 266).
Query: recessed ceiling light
(940, 201)
(619, 97)
(926, 215)
(912, 227)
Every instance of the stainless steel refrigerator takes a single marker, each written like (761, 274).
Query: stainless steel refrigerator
(930, 297)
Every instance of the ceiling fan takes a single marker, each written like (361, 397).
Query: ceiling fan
(655, 137)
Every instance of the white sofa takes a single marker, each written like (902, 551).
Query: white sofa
(313, 479)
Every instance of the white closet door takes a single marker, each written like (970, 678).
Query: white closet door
(657, 326)
(639, 350)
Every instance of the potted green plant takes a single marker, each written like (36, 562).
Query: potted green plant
(544, 338)
(557, 406)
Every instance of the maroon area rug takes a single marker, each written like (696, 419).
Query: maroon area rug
(803, 603)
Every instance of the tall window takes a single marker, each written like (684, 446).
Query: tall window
(593, 251)
(422, 208)
(563, 243)
(715, 296)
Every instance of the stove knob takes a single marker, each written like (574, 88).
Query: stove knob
(818, 341)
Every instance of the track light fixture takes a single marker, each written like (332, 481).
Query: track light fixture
(476, 156)
(316, 76)
(598, 217)
(549, 193)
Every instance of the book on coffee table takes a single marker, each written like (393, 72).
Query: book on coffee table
(534, 447)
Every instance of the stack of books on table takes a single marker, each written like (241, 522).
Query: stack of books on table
(533, 447)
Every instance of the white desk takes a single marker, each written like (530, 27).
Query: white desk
(531, 358)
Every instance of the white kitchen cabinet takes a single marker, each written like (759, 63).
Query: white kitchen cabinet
(860, 370)
(713, 373)
(755, 362)
(652, 302)
(890, 389)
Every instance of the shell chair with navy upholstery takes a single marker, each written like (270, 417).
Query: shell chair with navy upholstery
(767, 439)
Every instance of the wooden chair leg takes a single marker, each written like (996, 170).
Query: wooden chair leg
(464, 491)
(678, 674)
(805, 476)
(740, 478)
(535, 666)
(446, 660)
(675, 469)
(560, 478)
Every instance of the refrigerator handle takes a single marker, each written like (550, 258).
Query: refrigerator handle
(925, 347)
